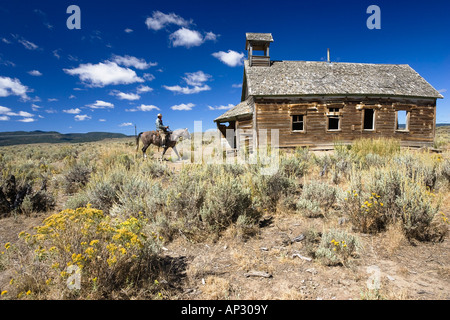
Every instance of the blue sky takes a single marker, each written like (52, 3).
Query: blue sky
(134, 59)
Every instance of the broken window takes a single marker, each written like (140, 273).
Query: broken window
(369, 119)
(402, 120)
(298, 123)
(334, 119)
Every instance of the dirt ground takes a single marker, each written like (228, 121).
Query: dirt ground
(269, 266)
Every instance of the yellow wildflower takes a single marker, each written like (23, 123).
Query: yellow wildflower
(4, 292)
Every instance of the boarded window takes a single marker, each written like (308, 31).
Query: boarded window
(402, 120)
(298, 123)
(334, 119)
(369, 119)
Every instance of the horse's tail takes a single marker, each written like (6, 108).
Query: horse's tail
(137, 141)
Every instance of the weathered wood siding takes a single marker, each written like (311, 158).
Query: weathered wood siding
(244, 134)
(274, 114)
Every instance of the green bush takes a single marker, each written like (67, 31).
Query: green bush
(337, 247)
(225, 201)
(317, 198)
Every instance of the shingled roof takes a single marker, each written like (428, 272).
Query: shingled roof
(296, 78)
(242, 109)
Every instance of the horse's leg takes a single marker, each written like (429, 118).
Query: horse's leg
(164, 152)
(144, 150)
(176, 152)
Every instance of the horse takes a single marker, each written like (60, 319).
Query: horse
(153, 137)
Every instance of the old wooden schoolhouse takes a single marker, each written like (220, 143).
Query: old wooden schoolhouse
(315, 104)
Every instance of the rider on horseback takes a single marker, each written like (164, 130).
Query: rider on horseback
(162, 129)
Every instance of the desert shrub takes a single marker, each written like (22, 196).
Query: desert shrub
(107, 254)
(185, 194)
(103, 188)
(268, 190)
(153, 169)
(423, 168)
(296, 165)
(381, 147)
(337, 247)
(317, 198)
(139, 195)
(225, 201)
(446, 169)
(22, 197)
(76, 177)
(64, 152)
(417, 210)
(366, 211)
(388, 196)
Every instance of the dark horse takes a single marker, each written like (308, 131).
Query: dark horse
(153, 137)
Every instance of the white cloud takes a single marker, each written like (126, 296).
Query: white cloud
(6, 41)
(230, 58)
(72, 96)
(187, 90)
(73, 111)
(35, 73)
(35, 107)
(103, 74)
(27, 120)
(28, 44)
(237, 85)
(6, 113)
(183, 107)
(144, 108)
(148, 77)
(125, 96)
(126, 124)
(9, 86)
(195, 83)
(4, 110)
(83, 117)
(56, 53)
(221, 107)
(128, 30)
(196, 78)
(100, 104)
(189, 38)
(129, 61)
(102, 120)
(442, 90)
(186, 38)
(211, 36)
(20, 114)
(160, 20)
(144, 89)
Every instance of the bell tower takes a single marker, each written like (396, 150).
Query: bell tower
(258, 42)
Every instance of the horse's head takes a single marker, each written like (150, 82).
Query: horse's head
(181, 133)
(185, 134)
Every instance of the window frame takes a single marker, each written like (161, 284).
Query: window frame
(335, 113)
(303, 121)
(407, 124)
(374, 117)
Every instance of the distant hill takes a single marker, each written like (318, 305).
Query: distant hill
(23, 137)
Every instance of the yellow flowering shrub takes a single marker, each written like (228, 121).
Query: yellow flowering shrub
(337, 247)
(108, 253)
(366, 212)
